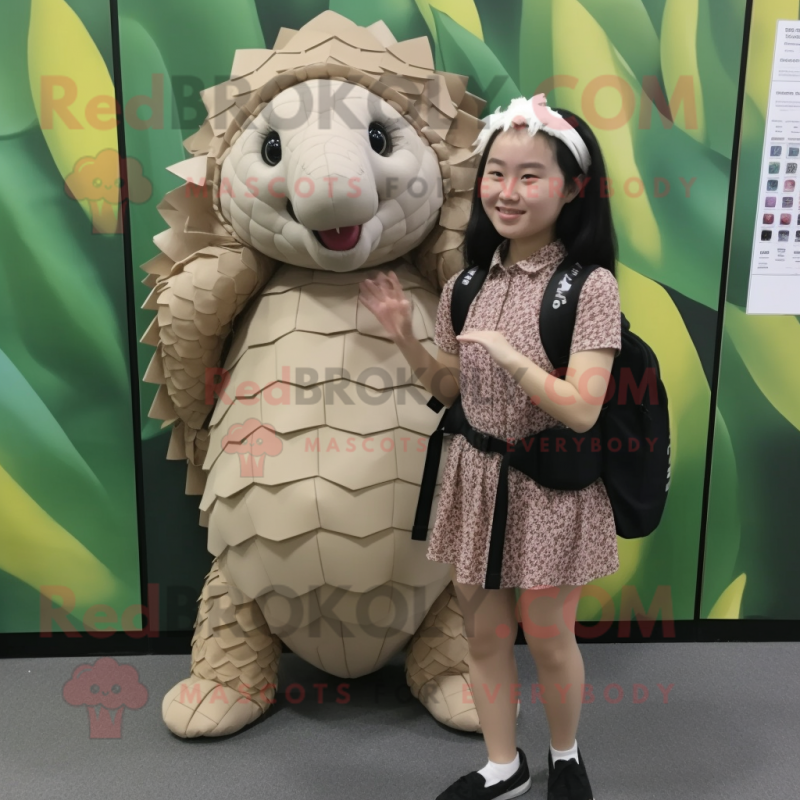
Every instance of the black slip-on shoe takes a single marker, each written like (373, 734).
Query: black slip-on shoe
(568, 779)
(473, 786)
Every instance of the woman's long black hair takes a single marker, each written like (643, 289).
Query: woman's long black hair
(584, 225)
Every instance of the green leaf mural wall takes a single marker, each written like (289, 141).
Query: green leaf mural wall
(68, 515)
(657, 80)
(751, 540)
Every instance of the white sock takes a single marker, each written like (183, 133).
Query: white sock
(494, 773)
(565, 755)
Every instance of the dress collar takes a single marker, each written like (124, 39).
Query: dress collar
(550, 255)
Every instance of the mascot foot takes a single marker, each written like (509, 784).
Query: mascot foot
(198, 707)
(449, 700)
(234, 672)
(437, 665)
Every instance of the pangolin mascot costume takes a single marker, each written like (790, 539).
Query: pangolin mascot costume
(336, 155)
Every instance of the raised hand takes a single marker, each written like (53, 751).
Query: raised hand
(494, 343)
(385, 299)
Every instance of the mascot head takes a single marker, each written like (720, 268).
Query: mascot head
(338, 149)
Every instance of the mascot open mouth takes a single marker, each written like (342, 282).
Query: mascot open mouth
(345, 238)
(342, 239)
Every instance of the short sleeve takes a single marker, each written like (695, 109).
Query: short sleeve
(598, 323)
(444, 336)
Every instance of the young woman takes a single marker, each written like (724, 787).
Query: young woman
(540, 196)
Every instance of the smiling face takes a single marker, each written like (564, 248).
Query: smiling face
(326, 155)
(523, 190)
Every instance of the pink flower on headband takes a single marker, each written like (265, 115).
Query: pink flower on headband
(536, 115)
(545, 115)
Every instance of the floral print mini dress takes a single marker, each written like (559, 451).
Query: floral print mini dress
(553, 537)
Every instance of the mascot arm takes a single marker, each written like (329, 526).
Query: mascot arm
(196, 303)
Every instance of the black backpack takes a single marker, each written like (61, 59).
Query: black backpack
(633, 426)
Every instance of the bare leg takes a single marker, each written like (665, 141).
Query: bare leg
(491, 627)
(548, 623)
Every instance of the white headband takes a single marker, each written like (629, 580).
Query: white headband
(538, 116)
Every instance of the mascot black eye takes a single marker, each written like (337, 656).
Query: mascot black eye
(379, 139)
(271, 149)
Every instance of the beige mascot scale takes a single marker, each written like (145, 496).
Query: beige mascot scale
(337, 154)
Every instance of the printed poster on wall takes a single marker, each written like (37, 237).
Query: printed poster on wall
(774, 286)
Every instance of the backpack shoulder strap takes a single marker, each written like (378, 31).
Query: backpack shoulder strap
(465, 290)
(559, 309)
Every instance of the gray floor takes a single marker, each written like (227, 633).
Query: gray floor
(729, 729)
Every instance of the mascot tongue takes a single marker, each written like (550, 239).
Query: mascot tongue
(345, 239)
